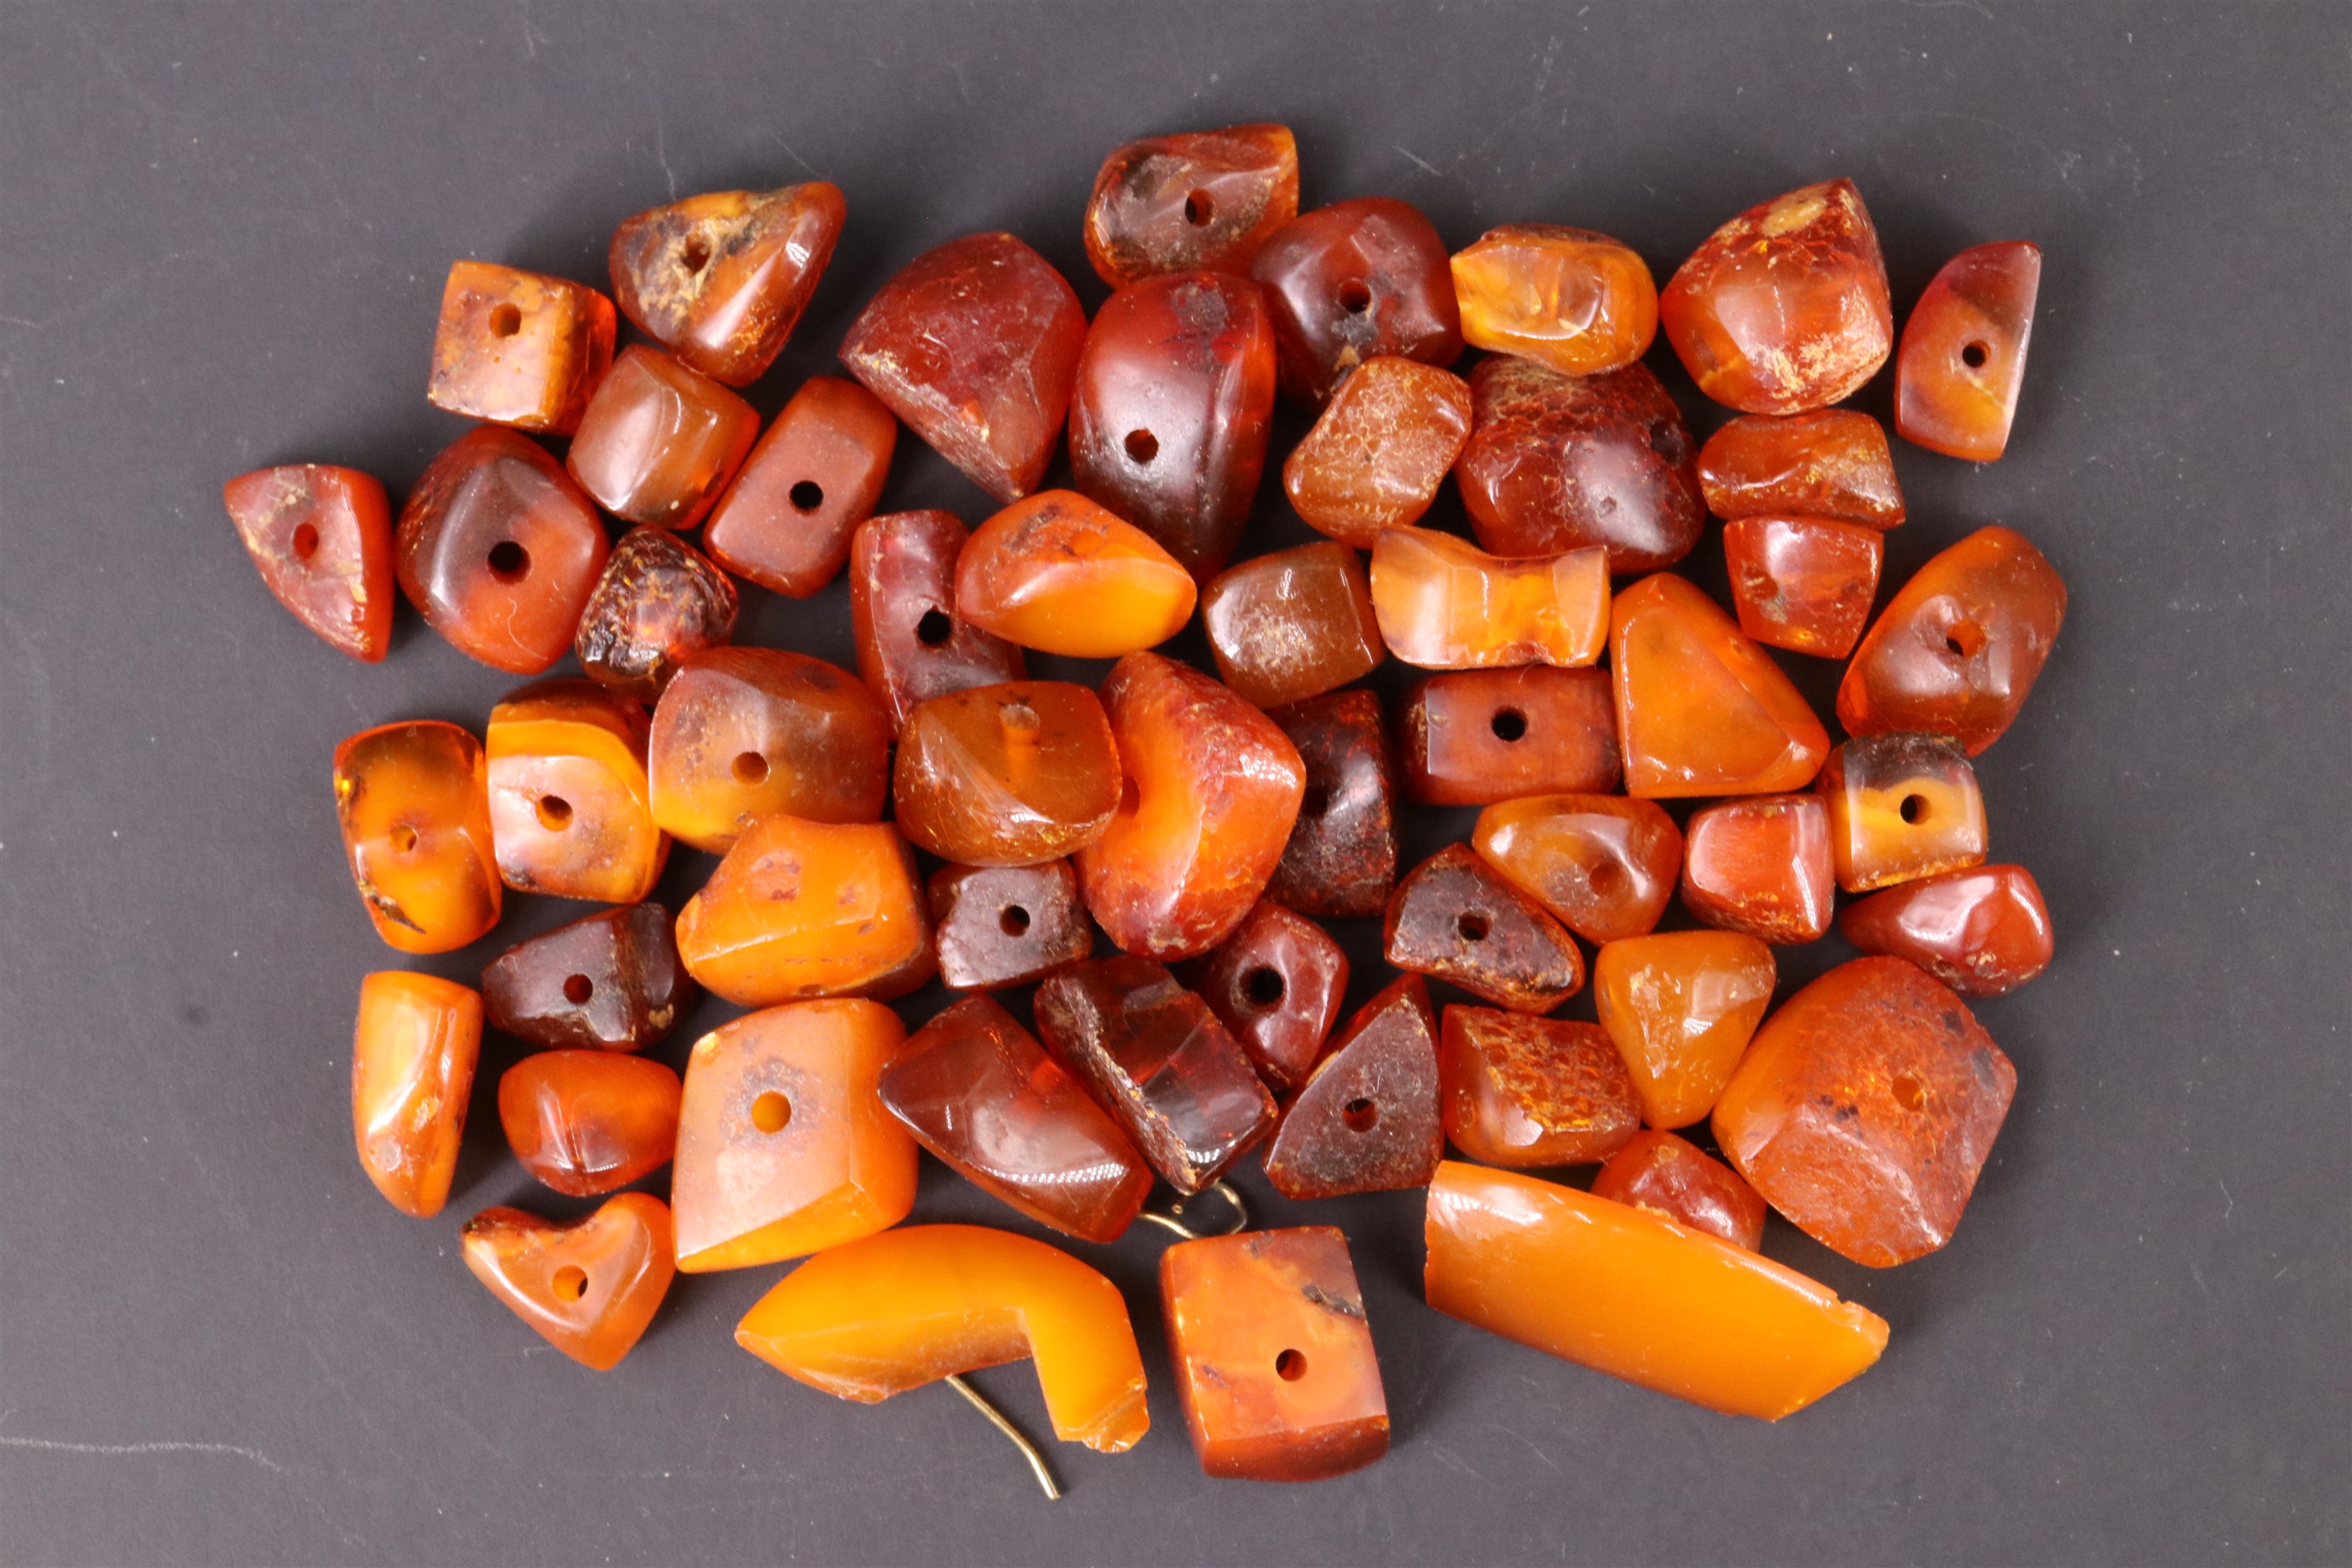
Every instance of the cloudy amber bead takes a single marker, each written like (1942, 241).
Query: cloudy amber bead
(1673, 1176)
(722, 279)
(659, 603)
(1006, 925)
(1963, 357)
(1981, 931)
(1603, 864)
(1277, 983)
(1366, 1120)
(1199, 200)
(1804, 583)
(586, 1122)
(1353, 280)
(519, 348)
(611, 981)
(1901, 807)
(571, 805)
(1700, 709)
(1681, 1007)
(591, 1288)
(1380, 449)
(1444, 603)
(1831, 463)
(1058, 573)
(1534, 1091)
(1341, 858)
(1762, 865)
(744, 733)
(1007, 775)
(1292, 624)
(1455, 918)
(785, 523)
(321, 539)
(413, 801)
(659, 440)
(1574, 300)
(1477, 736)
(412, 1056)
(911, 644)
(808, 908)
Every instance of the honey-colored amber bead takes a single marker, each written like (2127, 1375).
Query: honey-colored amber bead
(1292, 624)
(911, 644)
(1576, 301)
(412, 1056)
(519, 348)
(571, 805)
(894, 1311)
(321, 539)
(1533, 1091)
(808, 908)
(1380, 449)
(1277, 983)
(659, 440)
(1963, 357)
(1007, 775)
(413, 804)
(1785, 307)
(611, 981)
(1366, 1120)
(1477, 736)
(1603, 864)
(722, 279)
(1700, 709)
(1981, 931)
(1199, 200)
(1681, 1007)
(1351, 281)
(1762, 865)
(1444, 603)
(1901, 807)
(1455, 918)
(590, 1288)
(783, 1148)
(1058, 573)
(744, 733)
(1804, 583)
(1831, 463)
(1342, 858)
(1674, 1177)
(586, 1122)
(658, 603)
(785, 523)
(1006, 925)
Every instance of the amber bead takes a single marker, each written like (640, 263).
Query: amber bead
(1831, 463)
(808, 908)
(911, 644)
(1277, 983)
(1681, 1007)
(498, 551)
(1006, 925)
(586, 1122)
(659, 440)
(1700, 709)
(1762, 865)
(721, 280)
(1603, 864)
(1342, 858)
(1865, 1108)
(412, 1056)
(1058, 573)
(1673, 1176)
(1007, 775)
(743, 732)
(975, 344)
(1366, 1120)
(1273, 1356)
(413, 804)
(1804, 583)
(1901, 807)
(1292, 624)
(321, 539)
(571, 806)
(1959, 645)
(1785, 307)
(1199, 200)
(1153, 1054)
(783, 1148)
(1477, 736)
(591, 1288)
(1455, 918)
(1351, 281)
(1380, 449)
(611, 980)
(979, 1091)
(1568, 299)
(1981, 931)
(1444, 603)
(658, 603)
(786, 521)
(519, 348)
(1559, 462)
(1963, 357)
(1519, 1090)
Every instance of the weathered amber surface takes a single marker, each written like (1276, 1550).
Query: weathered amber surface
(1168, 420)
(1981, 931)
(1273, 1356)
(721, 280)
(975, 344)
(1865, 1108)
(586, 1122)
(1444, 603)
(498, 551)
(413, 804)
(1959, 645)
(1006, 925)
(783, 1148)
(1700, 709)
(1901, 807)
(1058, 573)
(1785, 307)
(591, 1288)
(1963, 357)
(1477, 736)
(1558, 462)
(1351, 281)
(979, 1091)
(744, 733)
(809, 909)
(1533, 1091)
(1213, 789)
(1681, 1007)
(519, 348)
(1342, 858)
(412, 1056)
(911, 644)
(785, 523)
(1380, 449)
(1637, 1296)
(611, 980)
(1762, 865)
(1574, 300)
(1277, 983)
(1673, 1176)
(321, 539)
(1831, 463)
(1366, 1120)
(571, 806)
(1007, 775)
(1455, 918)
(1199, 200)
(909, 1306)
(1804, 583)
(659, 440)
(1603, 864)
(1292, 624)
(1152, 1055)
(658, 603)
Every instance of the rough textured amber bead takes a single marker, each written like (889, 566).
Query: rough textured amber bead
(1558, 462)
(721, 280)
(412, 1055)
(1342, 858)
(1785, 307)
(1199, 200)
(1273, 1356)
(1864, 1109)
(1803, 584)
(1533, 1091)
(413, 801)
(979, 1091)
(658, 603)
(1574, 300)
(586, 1122)
(1456, 918)
(590, 1288)
(1673, 1176)
(1292, 624)
(1959, 645)
(1477, 736)
(1603, 864)
(1963, 357)
(1981, 931)
(1380, 449)
(1700, 709)
(785, 523)
(321, 539)
(783, 1148)
(809, 909)
(1058, 573)
(744, 733)
(1006, 925)
(1681, 1007)
(1762, 865)
(1901, 807)
(611, 980)
(1168, 420)
(519, 348)
(1833, 463)
(911, 644)
(1366, 1120)
(1277, 983)
(659, 440)
(498, 551)
(1007, 775)
(1152, 1055)
(975, 344)
(570, 807)
(1444, 603)
(1351, 281)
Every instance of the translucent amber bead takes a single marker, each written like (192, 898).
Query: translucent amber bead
(721, 280)
(808, 908)
(1007, 775)
(1444, 604)
(1006, 925)
(785, 523)
(659, 441)
(1831, 463)
(911, 644)
(1963, 357)
(570, 807)
(1901, 807)
(412, 1057)
(413, 804)
(591, 1288)
(1277, 983)
(1351, 281)
(1366, 1120)
(1200, 200)
(1058, 573)
(1674, 1177)
(659, 603)
(519, 348)
(1456, 918)
(1762, 865)
(586, 1122)
(1603, 864)
(1700, 709)
(1576, 301)
(1681, 1007)
(1533, 1091)
(1380, 449)
(1477, 736)
(744, 733)
(1803, 584)
(611, 980)
(1292, 624)
(1981, 931)
(321, 539)
(1342, 858)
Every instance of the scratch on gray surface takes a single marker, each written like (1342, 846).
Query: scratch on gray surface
(795, 157)
(1533, 1446)
(2230, 1203)
(1451, 1462)
(661, 151)
(1421, 161)
(166, 1446)
(1951, 5)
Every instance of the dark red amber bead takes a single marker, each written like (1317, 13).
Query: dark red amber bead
(1471, 737)
(1198, 200)
(1006, 925)
(611, 981)
(1534, 1091)
(1342, 858)
(659, 440)
(787, 521)
(1670, 1175)
(911, 644)
(1804, 583)
(722, 279)
(1366, 1119)
(321, 538)
(1277, 983)
(1981, 931)
(660, 603)
(1455, 918)
(1351, 281)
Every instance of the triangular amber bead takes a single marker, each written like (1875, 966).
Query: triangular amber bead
(1701, 710)
(1366, 1120)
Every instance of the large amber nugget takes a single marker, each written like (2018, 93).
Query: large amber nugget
(590, 1288)
(1351, 281)
(586, 1122)
(1959, 645)
(659, 440)
(1455, 918)
(1366, 1120)
(1477, 736)
(571, 806)
(611, 980)
(1804, 583)
(658, 603)
(721, 280)
(1342, 854)
(1901, 807)
(979, 1091)
(1058, 573)
(1292, 624)
(1762, 865)
(321, 538)
(412, 1057)
(786, 521)
(911, 644)
(894, 1311)
(975, 344)
(1444, 603)
(413, 804)
(1197, 200)
(809, 909)
(1864, 1109)
(1963, 354)
(1380, 449)
(1168, 420)
(519, 348)
(1681, 1007)
(1576, 301)
(743, 732)
(1007, 775)
(1674, 1177)
(1831, 463)
(1533, 1091)
(1700, 709)
(1006, 925)
(1981, 931)
(1603, 864)
(783, 1148)
(1277, 983)
(1637, 1296)
(1273, 1357)
(1785, 307)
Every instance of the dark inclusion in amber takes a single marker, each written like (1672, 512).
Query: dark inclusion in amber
(721, 280)
(1005, 925)
(1277, 983)
(1351, 281)
(611, 981)
(1341, 859)
(911, 644)
(1455, 918)
(321, 538)
(1200, 200)
(1366, 1120)
(659, 602)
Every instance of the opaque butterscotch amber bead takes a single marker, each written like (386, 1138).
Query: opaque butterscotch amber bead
(1762, 865)
(1981, 931)
(659, 440)
(1366, 1120)
(1901, 807)
(1277, 983)
(1700, 709)
(519, 348)
(1674, 1177)
(1603, 864)
(1351, 281)
(1831, 463)
(1803, 584)
(1380, 449)
(412, 1056)
(1197, 200)
(1292, 624)
(1534, 1091)
(321, 539)
(721, 280)
(1681, 1007)
(586, 1122)
(1342, 858)
(1007, 775)
(786, 521)
(1005, 925)
(570, 807)
(413, 801)
(611, 980)
(1058, 573)
(1454, 917)
(743, 732)
(1576, 301)
(591, 1288)
(911, 644)
(658, 603)
(809, 909)
(1963, 357)
(1478, 736)
(1444, 604)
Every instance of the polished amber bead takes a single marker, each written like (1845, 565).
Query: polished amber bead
(1574, 300)
(590, 1288)
(1007, 775)
(785, 523)
(1533, 1091)
(413, 801)
(571, 806)
(1292, 624)
(1901, 807)
(586, 1122)
(1342, 858)
(1681, 1007)
(1981, 931)
(1603, 864)
(1366, 1120)
(911, 644)
(1762, 865)
(1785, 307)
(1277, 983)
(1199, 200)
(1351, 281)
(412, 1056)
(974, 343)
(1700, 709)
(1963, 357)
(744, 733)
(809, 909)
(1477, 736)
(659, 440)
(1673, 1176)
(1831, 463)
(1006, 925)
(1058, 573)
(1456, 918)
(783, 1148)
(1444, 603)
(519, 348)
(1804, 583)
(1380, 449)
(611, 980)
(658, 603)
(321, 538)
(721, 280)
(1864, 1109)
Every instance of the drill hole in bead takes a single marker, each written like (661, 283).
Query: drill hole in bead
(571, 1282)
(1607, 880)
(1964, 640)
(1021, 722)
(1914, 809)
(505, 321)
(577, 989)
(1473, 926)
(1315, 802)
(1014, 921)
(1131, 796)
(750, 768)
(1361, 1114)
(1355, 296)
(1909, 1092)
(554, 812)
(404, 838)
(305, 542)
(806, 496)
(510, 561)
(934, 629)
(697, 254)
(1143, 446)
(1264, 987)
(1974, 355)
(771, 1112)
(1199, 209)
(1509, 724)
(1290, 1366)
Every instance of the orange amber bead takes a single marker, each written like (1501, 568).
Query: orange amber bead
(1058, 573)
(1478, 736)
(659, 603)
(1762, 865)
(785, 522)
(1007, 775)
(571, 806)
(590, 1288)
(809, 909)
(1277, 983)
(412, 1057)
(1342, 854)
(1681, 1007)
(1578, 301)
(1006, 925)
(321, 539)
(744, 733)
(1603, 864)
(1901, 807)
(1351, 281)
(1366, 1120)
(1831, 463)
(721, 280)
(413, 804)
(1981, 931)
(1292, 624)
(1674, 1177)
(911, 644)
(1963, 354)
(1803, 584)
(586, 1122)
(1199, 200)
(1444, 603)
(1455, 918)
(1380, 448)
(1534, 1091)
(1700, 709)
(659, 440)
(518, 348)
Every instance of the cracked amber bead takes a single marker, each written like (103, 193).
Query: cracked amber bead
(1963, 357)
(412, 1056)
(1762, 865)
(1674, 1177)
(1981, 931)
(1682, 1006)
(571, 805)
(1058, 573)
(413, 801)
(1831, 463)
(1007, 775)
(586, 1122)
(519, 348)
(1277, 983)
(659, 603)
(911, 644)
(1576, 301)
(1380, 449)
(1804, 583)
(1700, 709)
(809, 909)
(722, 279)
(1534, 1091)
(1341, 856)
(1477, 736)
(1199, 200)
(1352, 280)
(1901, 807)
(611, 981)
(321, 539)
(1366, 1120)
(1292, 624)
(1603, 864)
(745, 732)
(659, 440)
(591, 1288)
(1006, 925)
(1454, 917)
(1444, 603)
(786, 521)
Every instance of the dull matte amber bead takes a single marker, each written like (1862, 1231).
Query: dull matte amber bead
(1673, 1176)
(1058, 573)
(1902, 806)
(1366, 1120)
(744, 733)
(586, 1122)
(611, 980)
(1199, 200)
(1831, 463)
(1963, 357)
(412, 1056)
(1277, 983)
(1534, 1091)
(785, 523)
(1576, 301)
(1342, 858)
(519, 348)
(1700, 709)
(1804, 583)
(1444, 603)
(722, 279)
(1292, 624)
(571, 806)
(1380, 449)
(1603, 864)
(659, 440)
(1981, 931)
(1681, 1007)
(413, 801)
(321, 539)
(911, 644)
(1007, 775)
(1456, 918)
(1006, 925)
(1762, 865)
(658, 603)
(1477, 736)
(808, 908)
(1351, 281)
(591, 1288)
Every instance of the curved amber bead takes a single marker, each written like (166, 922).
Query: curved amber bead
(1831, 463)
(519, 348)
(1603, 864)
(1674, 1177)
(1578, 301)
(1353, 280)
(786, 521)
(321, 539)
(744, 733)
(808, 908)
(1804, 583)
(1380, 449)
(1700, 709)
(1292, 624)
(659, 603)
(1444, 603)
(1058, 573)
(570, 805)
(1981, 931)
(1681, 1007)
(911, 644)
(1199, 200)
(1533, 1091)
(586, 1122)
(659, 440)
(413, 804)
(1762, 866)
(1901, 807)
(591, 1288)
(1963, 357)
(412, 1056)
(720, 279)
(1007, 775)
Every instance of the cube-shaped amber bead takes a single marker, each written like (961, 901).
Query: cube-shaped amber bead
(785, 522)
(1474, 737)
(1762, 866)
(1902, 806)
(571, 806)
(1804, 583)
(519, 348)
(414, 803)
(660, 440)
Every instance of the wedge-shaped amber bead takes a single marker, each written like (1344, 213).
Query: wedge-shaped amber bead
(1681, 1007)
(1007, 775)
(1804, 583)
(1831, 463)
(1901, 807)
(1700, 709)
(1534, 1091)
(519, 348)
(413, 804)
(1006, 925)
(1342, 858)
(744, 733)
(586, 1122)
(591, 1288)
(1380, 448)
(1292, 624)
(783, 1148)
(1637, 1296)
(1444, 603)
(657, 604)
(1603, 864)
(611, 980)
(1963, 357)
(1351, 281)
(659, 440)
(1277, 983)
(1058, 573)
(412, 1057)
(1477, 736)
(809, 909)
(1456, 918)
(321, 539)
(571, 806)
(1196, 200)
(1576, 301)
(1981, 931)
(786, 521)
(1762, 865)
(1674, 1177)
(1366, 1120)
(720, 279)
(911, 644)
